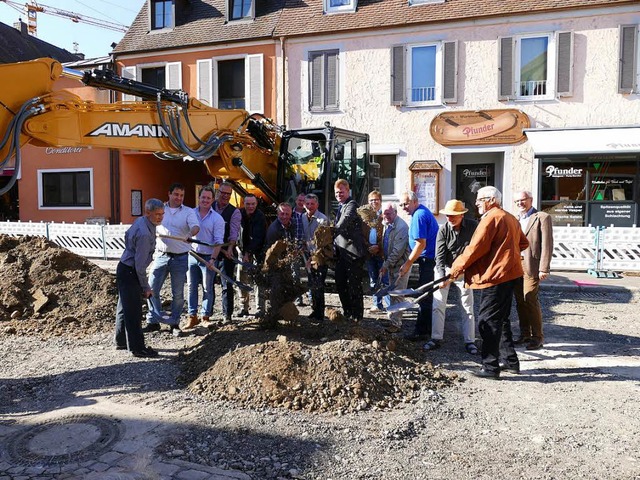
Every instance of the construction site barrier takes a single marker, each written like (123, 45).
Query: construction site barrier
(575, 248)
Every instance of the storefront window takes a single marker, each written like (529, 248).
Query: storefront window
(596, 190)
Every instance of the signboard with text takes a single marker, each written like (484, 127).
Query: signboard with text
(611, 213)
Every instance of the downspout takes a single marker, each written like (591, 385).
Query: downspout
(114, 166)
(284, 82)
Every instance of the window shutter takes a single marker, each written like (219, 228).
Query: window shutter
(564, 64)
(254, 87)
(174, 75)
(505, 68)
(128, 73)
(315, 81)
(450, 72)
(397, 75)
(332, 100)
(627, 59)
(205, 92)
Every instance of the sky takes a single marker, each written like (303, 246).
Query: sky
(91, 40)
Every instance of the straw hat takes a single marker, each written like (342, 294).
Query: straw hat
(454, 207)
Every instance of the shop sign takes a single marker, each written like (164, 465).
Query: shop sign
(555, 172)
(479, 127)
(616, 214)
(476, 172)
(62, 150)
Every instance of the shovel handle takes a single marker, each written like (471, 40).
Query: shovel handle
(194, 240)
(240, 285)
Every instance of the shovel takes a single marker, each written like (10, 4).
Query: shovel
(412, 291)
(247, 265)
(242, 286)
(195, 240)
(432, 287)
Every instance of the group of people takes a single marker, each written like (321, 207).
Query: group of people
(501, 255)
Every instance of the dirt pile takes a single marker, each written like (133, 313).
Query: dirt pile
(50, 291)
(347, 368)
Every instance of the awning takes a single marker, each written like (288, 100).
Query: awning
(571, 141)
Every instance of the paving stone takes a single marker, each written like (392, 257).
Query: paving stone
(212, 470)
(164, 468)
(110, 457)
(15, 470)
(99, 467)
(37, 470)
(68, 468)
(193, 475)
(4, 466)
(53, 470)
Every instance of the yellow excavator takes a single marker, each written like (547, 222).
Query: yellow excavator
(249, 150)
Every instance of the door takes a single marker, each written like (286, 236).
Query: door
(469, 179)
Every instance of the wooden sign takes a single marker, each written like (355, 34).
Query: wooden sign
(480, 127)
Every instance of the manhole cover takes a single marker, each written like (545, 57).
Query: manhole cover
(69, 439)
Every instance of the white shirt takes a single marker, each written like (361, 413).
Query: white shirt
(177, 222)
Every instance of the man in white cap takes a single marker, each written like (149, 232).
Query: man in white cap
(453, 236)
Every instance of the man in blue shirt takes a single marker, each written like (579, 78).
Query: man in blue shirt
(423, 230)
(131, 279)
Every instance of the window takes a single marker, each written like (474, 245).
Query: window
(161, 14)
(423, 75)
(628, 75)
(232, 82)
(323, 81)
(161, 75)
(240, 9)
(536, 67)
(65, 188)
(388, 167)
(340, 6)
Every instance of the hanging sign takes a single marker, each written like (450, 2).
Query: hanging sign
(479, 127)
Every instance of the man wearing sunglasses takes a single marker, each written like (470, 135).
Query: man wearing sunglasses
(491, 263)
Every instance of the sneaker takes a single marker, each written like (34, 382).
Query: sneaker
(432, 344)
(146, 352)
(176, 332)
(151, 327)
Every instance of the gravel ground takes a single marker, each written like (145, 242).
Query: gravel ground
(572, 413)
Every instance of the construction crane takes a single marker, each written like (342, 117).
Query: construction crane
(32, 9)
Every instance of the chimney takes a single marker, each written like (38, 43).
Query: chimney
(21, 26)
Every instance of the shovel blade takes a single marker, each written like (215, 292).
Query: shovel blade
(402, 293)
(243, 286)
(398, 307)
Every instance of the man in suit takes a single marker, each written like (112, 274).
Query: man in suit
(491, 263)
(395, 248)
(536, 262)
(351, 251)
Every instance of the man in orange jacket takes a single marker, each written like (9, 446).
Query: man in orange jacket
(491, 263)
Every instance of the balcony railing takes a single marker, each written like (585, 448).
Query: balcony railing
(533, 88)
(423, 94)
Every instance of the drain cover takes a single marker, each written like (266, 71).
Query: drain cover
(64, 440)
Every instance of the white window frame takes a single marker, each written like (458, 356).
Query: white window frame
(437, 97)
(350, 8)
(551, 66)
(40, 173)
(134, 72)
(206, 92)
(424, 2)
(250, 16)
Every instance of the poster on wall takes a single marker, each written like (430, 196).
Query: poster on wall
(613, 214)
(425, 187)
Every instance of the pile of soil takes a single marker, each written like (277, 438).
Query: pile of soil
(311, 367)
(49, 291)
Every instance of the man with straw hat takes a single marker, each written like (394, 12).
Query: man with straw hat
(453, 236)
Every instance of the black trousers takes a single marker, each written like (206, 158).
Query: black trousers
(423, 324)
(129, 311)
(349, 274)
(317, 278)
(494, 326)
(227, 267)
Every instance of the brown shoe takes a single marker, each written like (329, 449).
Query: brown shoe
(522, 340)
(534, 344)
(192, 322)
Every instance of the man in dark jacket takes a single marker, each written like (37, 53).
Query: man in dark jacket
(252, 237)
(351, 251)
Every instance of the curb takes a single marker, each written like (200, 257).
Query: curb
(563, 287)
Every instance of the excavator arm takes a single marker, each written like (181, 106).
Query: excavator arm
(233, 145)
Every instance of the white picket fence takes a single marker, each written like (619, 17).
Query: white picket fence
(575, 248)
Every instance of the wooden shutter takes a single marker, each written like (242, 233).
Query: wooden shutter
(505, 68)
(564, 64)
(627, 59)
(254, 81)
(398, 92)
(316, 73)
(174, 75)
(129, 73)
(205, 87)
(450, 72)
(331, 96)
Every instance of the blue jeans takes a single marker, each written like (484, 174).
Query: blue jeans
(374, 264)
(200, 274)
(175, 266)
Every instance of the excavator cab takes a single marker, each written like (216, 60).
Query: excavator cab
(312, 159)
